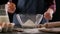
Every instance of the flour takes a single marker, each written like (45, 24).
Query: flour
(29, 23)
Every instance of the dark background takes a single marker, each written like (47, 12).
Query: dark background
(56, 16)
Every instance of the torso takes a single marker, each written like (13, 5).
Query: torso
(30, 6)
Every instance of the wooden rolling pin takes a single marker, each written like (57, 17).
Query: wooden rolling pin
(51, 24)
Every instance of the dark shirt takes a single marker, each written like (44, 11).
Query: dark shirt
(33, 6)
(30, 6)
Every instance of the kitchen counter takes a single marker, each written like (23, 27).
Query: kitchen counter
(28, 31)
(35, 31)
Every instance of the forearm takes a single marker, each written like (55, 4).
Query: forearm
(53, 6)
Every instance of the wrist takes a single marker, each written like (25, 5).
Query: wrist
(50, 11)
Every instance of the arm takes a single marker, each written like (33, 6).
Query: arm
(52, 7)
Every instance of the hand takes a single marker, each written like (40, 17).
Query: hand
(6, 25)
(3, 24)
(48, 14)
(10, 7)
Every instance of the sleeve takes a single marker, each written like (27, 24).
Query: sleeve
(53, 6)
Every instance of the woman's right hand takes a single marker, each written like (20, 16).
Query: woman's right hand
(10, 7)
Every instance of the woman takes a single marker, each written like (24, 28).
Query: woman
(46, 7)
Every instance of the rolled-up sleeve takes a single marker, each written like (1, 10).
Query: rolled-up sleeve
(53, 6)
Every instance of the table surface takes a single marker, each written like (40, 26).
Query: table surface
(29, 32)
